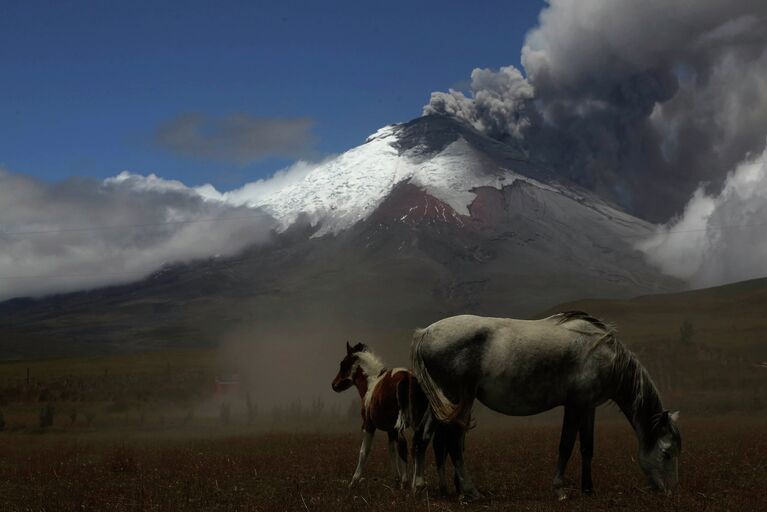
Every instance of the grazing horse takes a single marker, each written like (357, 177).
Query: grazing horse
(384, 394)
(524, 367)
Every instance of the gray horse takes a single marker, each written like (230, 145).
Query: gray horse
(524, 367)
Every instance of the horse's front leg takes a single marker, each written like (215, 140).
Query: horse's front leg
(367, 441)
(566, 444)
(586, 434)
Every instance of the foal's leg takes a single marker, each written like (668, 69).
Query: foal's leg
(398, 456)
(566, 444)
(421, 438)
(367, 441)
(586, 433)
(456, 446)
(393, 454)
(402, 459)
(440, 455)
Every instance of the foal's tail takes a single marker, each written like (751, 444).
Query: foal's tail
(405, 416)
(412, 403)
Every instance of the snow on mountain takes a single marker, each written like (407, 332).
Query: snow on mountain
(345, 189)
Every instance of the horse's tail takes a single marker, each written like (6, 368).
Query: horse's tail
(442, 407)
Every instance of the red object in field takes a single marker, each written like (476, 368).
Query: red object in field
(225, 385)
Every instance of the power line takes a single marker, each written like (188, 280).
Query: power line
(259, 214)
(246, 258)
(131, 226)
(696, 230)
(262, 215)
(73, 276)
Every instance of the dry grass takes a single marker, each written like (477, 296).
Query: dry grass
(724, 467)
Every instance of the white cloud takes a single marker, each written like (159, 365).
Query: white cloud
(719, 238)
(82, 233)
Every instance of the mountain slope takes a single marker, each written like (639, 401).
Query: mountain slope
(424, 220)
(705, 348)
(729, 317)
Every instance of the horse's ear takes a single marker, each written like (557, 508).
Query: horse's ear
(674, 416)
(360, 347)
(348, 348)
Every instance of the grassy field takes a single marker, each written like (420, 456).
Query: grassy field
(723, 467)
(146, 432)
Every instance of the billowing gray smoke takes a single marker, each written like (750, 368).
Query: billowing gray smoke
(82, 233)
(640, 101)
(500, 104)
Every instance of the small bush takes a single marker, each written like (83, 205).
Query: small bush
(46, 415)
(225, 413)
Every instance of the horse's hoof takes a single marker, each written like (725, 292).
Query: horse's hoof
(470, 495)
(354, 482)
(561, 494)
(443, 491)
(588, 492)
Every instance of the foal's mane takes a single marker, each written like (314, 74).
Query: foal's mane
(370, 363)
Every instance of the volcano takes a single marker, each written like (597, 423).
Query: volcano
(425, 219)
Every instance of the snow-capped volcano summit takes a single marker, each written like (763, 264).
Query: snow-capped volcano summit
(442, 156)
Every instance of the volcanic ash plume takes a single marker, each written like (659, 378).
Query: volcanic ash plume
(640, 101)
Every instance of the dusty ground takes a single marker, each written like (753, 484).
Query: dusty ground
(724, 467)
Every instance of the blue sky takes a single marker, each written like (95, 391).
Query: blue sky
(84, 86)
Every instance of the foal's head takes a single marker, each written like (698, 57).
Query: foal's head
(658, 456)
(350, 367)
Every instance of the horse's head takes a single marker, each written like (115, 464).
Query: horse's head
(658, 457)
(349, 366)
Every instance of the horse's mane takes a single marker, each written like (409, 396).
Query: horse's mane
(633, 381)
(567, 316)
(629, 376)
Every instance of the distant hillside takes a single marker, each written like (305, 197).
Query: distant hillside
(732, 317)
(705, 349)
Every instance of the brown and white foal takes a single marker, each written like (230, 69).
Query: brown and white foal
(384, 393)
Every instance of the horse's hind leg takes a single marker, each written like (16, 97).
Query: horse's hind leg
(566, 444)
(456, 447)
(586, 434)
(440, 456)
